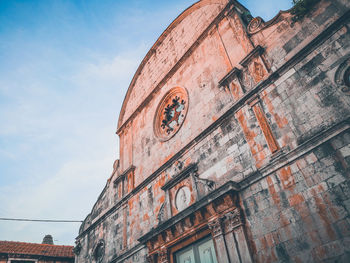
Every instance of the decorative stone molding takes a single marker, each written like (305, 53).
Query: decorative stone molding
(127, 179)
(257, 51)
(342, 77)
(232, 220)
(215, 227)
(99, 251)
(163, 255)
(207, 184)
(234, 73)
(77, 248)
(162, 213)
(170, 113)
(150, 259)
(189, 170)
(189, 222)
(255, 25)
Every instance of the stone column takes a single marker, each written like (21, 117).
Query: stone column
(150, 259)
(219, 241)
(235, 238)
(163, 255)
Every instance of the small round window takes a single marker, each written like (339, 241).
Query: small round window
(342, 77)
(171, 113)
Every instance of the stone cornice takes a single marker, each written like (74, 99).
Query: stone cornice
(131, 168)
(177, 178)
(232, 74)
(227, 187)
(258, 50)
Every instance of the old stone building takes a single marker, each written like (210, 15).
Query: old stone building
(234, 143)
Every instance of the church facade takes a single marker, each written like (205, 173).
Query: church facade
(234, 143)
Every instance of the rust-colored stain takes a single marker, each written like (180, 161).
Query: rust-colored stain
(269, 240)
(236, 91)
(265, 127)
(281, 122)
(322, 212)
(272, 190)
(145, 217)
(249, 134)
(258, 71)
(330, 205)
(285, 174)
(263, 243)
(296, 199)
(284, 221)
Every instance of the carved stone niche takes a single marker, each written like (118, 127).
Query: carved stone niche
(255, 68)
(233, 83)
(215, 215)
(183, 190)
(125, 182)
(179, 193)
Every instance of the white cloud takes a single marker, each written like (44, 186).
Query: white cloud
(80, 124)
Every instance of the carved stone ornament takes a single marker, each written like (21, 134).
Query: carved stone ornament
(163, 255)
(150, 259)
(182, 198)
(162, 215)
(215, 227)
(208, 184)
(232, 220)
(171, 113)
(99, 251)
(77, 248)
(342, 77)
(255, 25)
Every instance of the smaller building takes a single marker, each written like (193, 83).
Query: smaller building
(21, 252)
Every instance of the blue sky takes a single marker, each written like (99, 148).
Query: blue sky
(65, 67)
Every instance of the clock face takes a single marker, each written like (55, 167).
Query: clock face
(171, 113)
(182, 198)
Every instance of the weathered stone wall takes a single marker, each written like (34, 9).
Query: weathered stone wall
(169, 51)
(284, 138)
(300, 213)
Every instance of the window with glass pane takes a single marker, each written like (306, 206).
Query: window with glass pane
(200, 252)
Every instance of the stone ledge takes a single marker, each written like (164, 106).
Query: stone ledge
(227, 187)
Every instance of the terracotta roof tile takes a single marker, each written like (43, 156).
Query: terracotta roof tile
(10, 247)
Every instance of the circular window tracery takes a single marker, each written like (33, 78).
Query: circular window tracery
(171, 113)
(342, 77)
(99, 251)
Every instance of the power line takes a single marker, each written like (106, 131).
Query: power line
(40, 220)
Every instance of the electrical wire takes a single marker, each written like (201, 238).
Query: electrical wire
(40, 220)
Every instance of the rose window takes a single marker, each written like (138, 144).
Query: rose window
(171, 113)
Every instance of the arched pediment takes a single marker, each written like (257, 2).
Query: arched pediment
(174, 42)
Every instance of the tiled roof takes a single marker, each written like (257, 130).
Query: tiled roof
(10, 247)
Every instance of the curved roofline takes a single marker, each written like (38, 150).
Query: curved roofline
(273, 20)
(177, 21)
